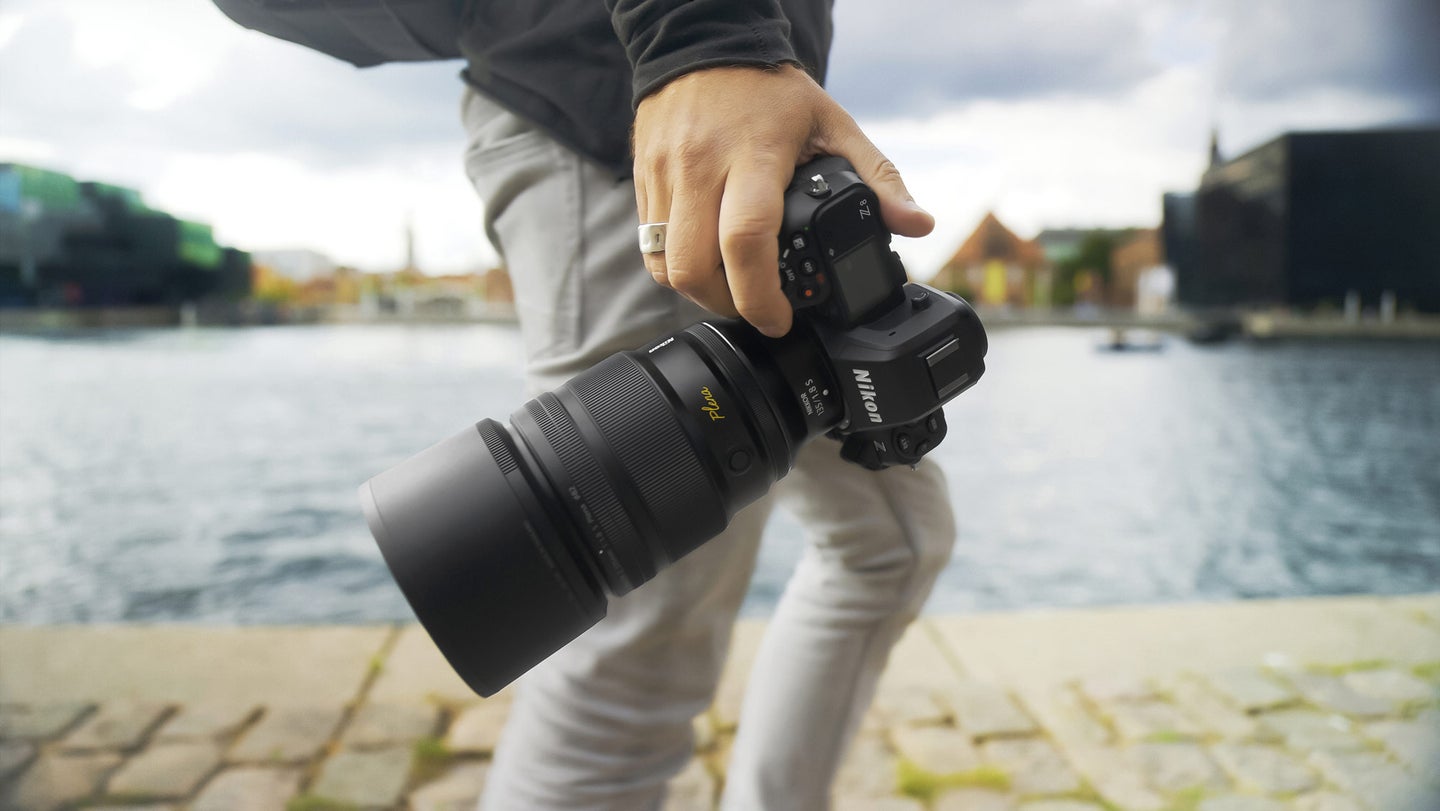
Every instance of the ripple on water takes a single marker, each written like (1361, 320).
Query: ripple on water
(210, 475)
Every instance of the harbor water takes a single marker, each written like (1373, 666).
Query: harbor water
(209, 475)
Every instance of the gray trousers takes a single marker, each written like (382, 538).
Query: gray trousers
(606, 721)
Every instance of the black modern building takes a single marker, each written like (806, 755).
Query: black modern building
(76, 244)
(1305, 219)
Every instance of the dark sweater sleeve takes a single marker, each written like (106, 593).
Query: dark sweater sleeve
(667, 38)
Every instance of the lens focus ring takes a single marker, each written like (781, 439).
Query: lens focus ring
(640, 427)
(612, 531)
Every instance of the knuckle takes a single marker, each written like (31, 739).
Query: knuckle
(677, 160)
(650, 164)
(691, 153)
(687, 279)
(746, 236)
(760, 313)
(886, 171)
(755, 306)
(656, 267)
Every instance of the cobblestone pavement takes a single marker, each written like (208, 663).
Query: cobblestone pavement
(1196, 708)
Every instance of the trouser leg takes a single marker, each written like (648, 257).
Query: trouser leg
(606, 721)
(877, 541)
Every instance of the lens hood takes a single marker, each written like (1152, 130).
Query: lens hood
(465, 546)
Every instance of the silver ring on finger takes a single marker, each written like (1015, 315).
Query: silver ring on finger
(652, 237)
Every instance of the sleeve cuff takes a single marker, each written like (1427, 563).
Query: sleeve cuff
(664, 43)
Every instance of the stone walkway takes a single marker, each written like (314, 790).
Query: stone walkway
(1310, 705)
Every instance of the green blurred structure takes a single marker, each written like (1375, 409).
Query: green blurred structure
(67, 243)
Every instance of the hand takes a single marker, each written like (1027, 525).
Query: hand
(714, 150)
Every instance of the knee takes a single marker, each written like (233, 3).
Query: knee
(933, 542)
(887, 564)
(913, 534)
(920, 546)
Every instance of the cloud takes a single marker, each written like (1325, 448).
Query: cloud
(355, 214)
(46, 94)
(927, 55)
(260, 95)
(1051, 112)
(275, 145)
(1266, 59)
(1285, 49)
(1074, 162)
(284, 100)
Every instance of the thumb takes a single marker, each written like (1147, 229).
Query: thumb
(898, 208)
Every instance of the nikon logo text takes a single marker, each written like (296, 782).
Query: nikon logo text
(867, 393)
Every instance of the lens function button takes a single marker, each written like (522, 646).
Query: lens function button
(739, 460)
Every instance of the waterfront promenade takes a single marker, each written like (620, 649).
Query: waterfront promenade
(1299, 705)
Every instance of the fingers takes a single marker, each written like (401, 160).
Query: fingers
(720, 247)
(901, 213)
(652, 200)
(750, 216)
(689, 202)
(692, 251)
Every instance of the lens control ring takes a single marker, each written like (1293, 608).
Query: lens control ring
(585, 491)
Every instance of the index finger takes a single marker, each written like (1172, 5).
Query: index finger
(751, 211)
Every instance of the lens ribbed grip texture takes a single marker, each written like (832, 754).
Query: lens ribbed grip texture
(620, 535)
(493, 443)
(641, 428)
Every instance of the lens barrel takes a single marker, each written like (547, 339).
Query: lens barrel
(507, 541)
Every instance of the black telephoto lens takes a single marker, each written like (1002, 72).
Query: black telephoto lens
(506, 541)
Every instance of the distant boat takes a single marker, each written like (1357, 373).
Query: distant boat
(1132, 340)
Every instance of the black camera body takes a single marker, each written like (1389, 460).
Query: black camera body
(507, 540)
(898, 351)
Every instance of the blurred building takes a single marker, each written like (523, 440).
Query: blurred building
(1139, 278)
(1305, 219)
(410, 294)
(1082, 265)
(296, 264)
(1061, 244)
(70, 243)
(995, 267)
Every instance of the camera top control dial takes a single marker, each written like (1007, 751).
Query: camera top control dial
(818, 186)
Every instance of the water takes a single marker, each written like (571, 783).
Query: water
(210, 475)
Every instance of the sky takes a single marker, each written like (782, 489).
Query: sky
(1051, 113)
